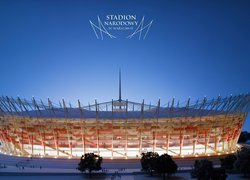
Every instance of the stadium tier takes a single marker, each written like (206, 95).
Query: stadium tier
(121, 128)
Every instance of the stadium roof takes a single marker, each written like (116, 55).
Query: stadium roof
(121, 109)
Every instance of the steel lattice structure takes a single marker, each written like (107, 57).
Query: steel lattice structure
(120, 128)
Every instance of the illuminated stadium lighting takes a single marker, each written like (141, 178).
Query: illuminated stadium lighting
(121, 128)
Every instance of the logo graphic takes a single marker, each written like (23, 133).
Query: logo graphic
(140, 29)
(100, 28)
(126, 26)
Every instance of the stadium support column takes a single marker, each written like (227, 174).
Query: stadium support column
(157, 125)
(126, 131)
(67, 128)
(44, 148)
(215, 143)
(22, 139)
(112, 140)
(194, 143)
(154, 141)
(158, 109)
(181, 138)
(167, 142)
(140, 142)
(181, 142)
(205, 141)
(223, 134)
(82, 127)
(57, 144)
(141, 122)
(32, 144)
(97, 127)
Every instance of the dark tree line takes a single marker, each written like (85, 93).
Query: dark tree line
(90, 162)
(240, 162)
(153, 163)
(204, 170)
(244, 136)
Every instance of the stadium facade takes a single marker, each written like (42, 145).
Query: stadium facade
(121, 128)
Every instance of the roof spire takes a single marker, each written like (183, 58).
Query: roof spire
(120, 86)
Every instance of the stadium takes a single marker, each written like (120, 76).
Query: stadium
(121, 128)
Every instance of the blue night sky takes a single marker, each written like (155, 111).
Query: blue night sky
(193, 48)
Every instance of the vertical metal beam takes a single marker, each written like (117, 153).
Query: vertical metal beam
(225, 102)
(141, 122)
(194, 145)
(10, 105)
(2, 101)
(172, 104)
(22, 105)
(82, 126)
(57, 143)
(60, 104)
(181, 141)
(12, 101)
(120, 87)
(32, 144)
(167, 142)
(80, 108)
(51, 106)
(112, 130)
(171, 108)
(217, 105)
(126, 130)
(188, 102)
(140, 141)
(43, 105)
(97, 126)
(215, 143)
(36, 105)
(44, 147)
(1, 110)
(154, 141)
(68, 128)
(22, 139)
(142, 109)
(65, 108)
(205, 141)
(28, 104)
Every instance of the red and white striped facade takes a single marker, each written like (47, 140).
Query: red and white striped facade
(121, 129)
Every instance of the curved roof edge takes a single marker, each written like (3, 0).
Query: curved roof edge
(123, 108)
